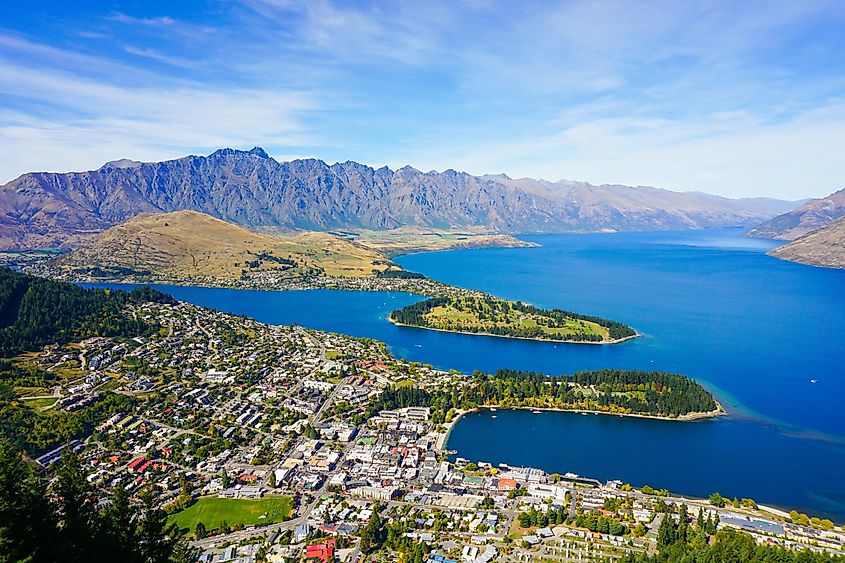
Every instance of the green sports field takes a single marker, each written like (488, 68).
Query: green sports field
(212, 511)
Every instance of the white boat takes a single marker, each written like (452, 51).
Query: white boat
(494, 416)
(813, 381)
(536, 412)
(492, 409)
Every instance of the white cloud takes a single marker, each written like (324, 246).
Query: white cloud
(718, 96)
(159, 57)
(727, 154)
(90, 122)
(161, 21)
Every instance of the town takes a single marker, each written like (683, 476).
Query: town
(263, 444)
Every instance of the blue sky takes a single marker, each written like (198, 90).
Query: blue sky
(735, 98)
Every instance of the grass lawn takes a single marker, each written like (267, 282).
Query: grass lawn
(39, 404)
(405, 383)
(456, 317)
(212, 511)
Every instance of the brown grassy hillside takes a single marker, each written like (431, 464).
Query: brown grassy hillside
(193, 244)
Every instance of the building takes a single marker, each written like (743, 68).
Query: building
(507, 485)
(323, 552)
(376, 493)
(301, 532)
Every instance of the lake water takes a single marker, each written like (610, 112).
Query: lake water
(712, 305)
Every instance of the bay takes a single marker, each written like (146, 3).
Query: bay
(710, 304)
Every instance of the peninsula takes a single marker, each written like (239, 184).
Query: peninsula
(650, 394)
(491, 316)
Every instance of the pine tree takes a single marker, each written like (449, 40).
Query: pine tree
(77, 508)
(666, 531)
(117, 528)
(160, 542)
(26, 519)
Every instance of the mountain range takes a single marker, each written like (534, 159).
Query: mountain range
(251, 189)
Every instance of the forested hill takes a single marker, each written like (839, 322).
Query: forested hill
(611, 390)
(35, 312)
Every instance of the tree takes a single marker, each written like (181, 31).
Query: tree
(117, 528)
(717, 500)
(77, 524)
(25, 515)
(681, 531)
(159, 541)
(373, 534)
(199, 531)
(666, 533)
(77, 509)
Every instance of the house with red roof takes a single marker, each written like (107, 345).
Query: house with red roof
(507, 485)
(323, 552)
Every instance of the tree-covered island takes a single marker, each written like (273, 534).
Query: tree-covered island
(484, 314)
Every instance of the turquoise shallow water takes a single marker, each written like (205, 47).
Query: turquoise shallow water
(711, 304)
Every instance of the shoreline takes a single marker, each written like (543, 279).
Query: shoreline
(443, 439)
(689, 417)
(604, 342)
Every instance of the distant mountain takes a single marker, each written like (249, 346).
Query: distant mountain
(188, 244)
(823, 247)
(813, 215)
(42, 210)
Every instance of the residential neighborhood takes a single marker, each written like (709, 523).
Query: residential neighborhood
(261, 442)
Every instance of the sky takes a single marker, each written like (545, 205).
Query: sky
(740, 99)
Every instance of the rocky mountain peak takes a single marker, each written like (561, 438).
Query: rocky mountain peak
(122, 163)
(259, 152)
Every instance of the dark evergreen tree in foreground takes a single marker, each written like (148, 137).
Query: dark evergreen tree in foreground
(73, 522)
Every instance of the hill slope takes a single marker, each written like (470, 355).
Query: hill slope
(35, 311)
(42, 210)
(192, 244)
(813, 215)
(824, 247)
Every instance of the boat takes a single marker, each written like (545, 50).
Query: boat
(583, 414)
(813, 381)
(536, 412)
(494, 416)
(492, 409)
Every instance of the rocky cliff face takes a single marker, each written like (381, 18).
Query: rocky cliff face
(811, 216)
(42, 210)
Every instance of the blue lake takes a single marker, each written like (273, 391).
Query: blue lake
(712, 305)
